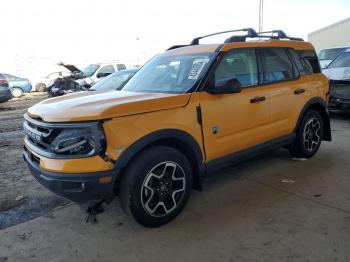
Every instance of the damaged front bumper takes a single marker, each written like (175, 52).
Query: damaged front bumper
(339, 95)
(80, 188)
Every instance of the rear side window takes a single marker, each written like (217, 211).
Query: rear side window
(310, 60)
(297, 61)
(277, 65)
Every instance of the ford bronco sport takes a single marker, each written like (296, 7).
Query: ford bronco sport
(188, 111)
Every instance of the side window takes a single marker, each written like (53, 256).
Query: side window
(108, 69)
(310, 61)
(239, 64)
(121, 67)
(297, 61)
(277, 65)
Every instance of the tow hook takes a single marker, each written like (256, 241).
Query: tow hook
(93, 210)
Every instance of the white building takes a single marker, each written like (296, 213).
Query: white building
(335, 35)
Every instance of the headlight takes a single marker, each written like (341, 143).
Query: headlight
(79, 141)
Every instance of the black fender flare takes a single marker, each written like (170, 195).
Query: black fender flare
(157, 137)
(318, 103)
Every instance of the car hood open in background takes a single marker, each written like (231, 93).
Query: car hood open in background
(70, 67)
(85, 106)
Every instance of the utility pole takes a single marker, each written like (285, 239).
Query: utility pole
(261, 15)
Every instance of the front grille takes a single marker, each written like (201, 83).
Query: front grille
(39, 134)
(340, 89)
(42, 137)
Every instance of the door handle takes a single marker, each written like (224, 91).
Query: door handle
(299, 91)
(257, 99)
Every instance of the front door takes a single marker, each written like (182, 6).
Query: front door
(232, 122)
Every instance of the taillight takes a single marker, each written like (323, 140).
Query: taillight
(3, 81)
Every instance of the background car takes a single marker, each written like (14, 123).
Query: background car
(18, 85)
(115, 81)
(326, 56)
(5, 93)
(338, 72)
(41, 84)
(95, 72)
(339, 68)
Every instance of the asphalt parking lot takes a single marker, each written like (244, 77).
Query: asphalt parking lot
(271, 208)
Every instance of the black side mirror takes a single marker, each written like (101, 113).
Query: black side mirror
(99, 75)
(226, 86)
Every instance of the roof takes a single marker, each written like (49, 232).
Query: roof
(250, 38)
(201, 49)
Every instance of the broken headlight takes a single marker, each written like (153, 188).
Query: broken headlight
(79, 141)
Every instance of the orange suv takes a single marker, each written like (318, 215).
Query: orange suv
(188, 111)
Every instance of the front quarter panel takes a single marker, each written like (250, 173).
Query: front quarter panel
(123, 132)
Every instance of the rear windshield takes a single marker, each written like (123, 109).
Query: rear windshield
(330, 54)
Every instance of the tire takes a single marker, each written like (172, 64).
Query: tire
(156, 186)
(309, 135)
(40, 87)
(16, 92)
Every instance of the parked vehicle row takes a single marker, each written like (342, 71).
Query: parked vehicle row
(337, 71)
(5, 93)
(188, 111)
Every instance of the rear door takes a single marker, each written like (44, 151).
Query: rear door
(281, 78)
(232, 122)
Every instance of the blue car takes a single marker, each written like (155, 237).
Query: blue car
(18, 85)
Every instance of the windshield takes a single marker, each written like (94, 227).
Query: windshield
(342, 60)
(330, 54)
(169, 74)
(114, 81)
(90, 69)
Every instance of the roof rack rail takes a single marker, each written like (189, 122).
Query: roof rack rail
(278, 34)
(250, 33)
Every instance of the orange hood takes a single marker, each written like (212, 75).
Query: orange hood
(85, 106)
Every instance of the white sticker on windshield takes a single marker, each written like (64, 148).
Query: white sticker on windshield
(197, 67)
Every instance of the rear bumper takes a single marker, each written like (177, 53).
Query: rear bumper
(79, 188)
(5, 95)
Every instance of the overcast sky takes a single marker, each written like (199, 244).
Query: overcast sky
(89, 31)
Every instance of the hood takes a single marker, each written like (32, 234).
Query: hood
(339, 73)
(90, 105)
(71, 68)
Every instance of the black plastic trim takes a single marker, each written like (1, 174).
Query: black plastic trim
(79, 188)
(245, 154)
(318, 101)
(149, 139)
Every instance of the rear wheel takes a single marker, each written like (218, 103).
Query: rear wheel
(309, 135)
(16, 92)
(156, 186)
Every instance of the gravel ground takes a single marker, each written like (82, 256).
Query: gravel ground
(21, 197)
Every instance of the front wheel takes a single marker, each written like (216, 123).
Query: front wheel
(156, 186)
(16, 92)
(309, 135)
(40, 87)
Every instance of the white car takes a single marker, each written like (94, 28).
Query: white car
(339, 68)
(40, 85)
(95, 72)
(326, 56)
